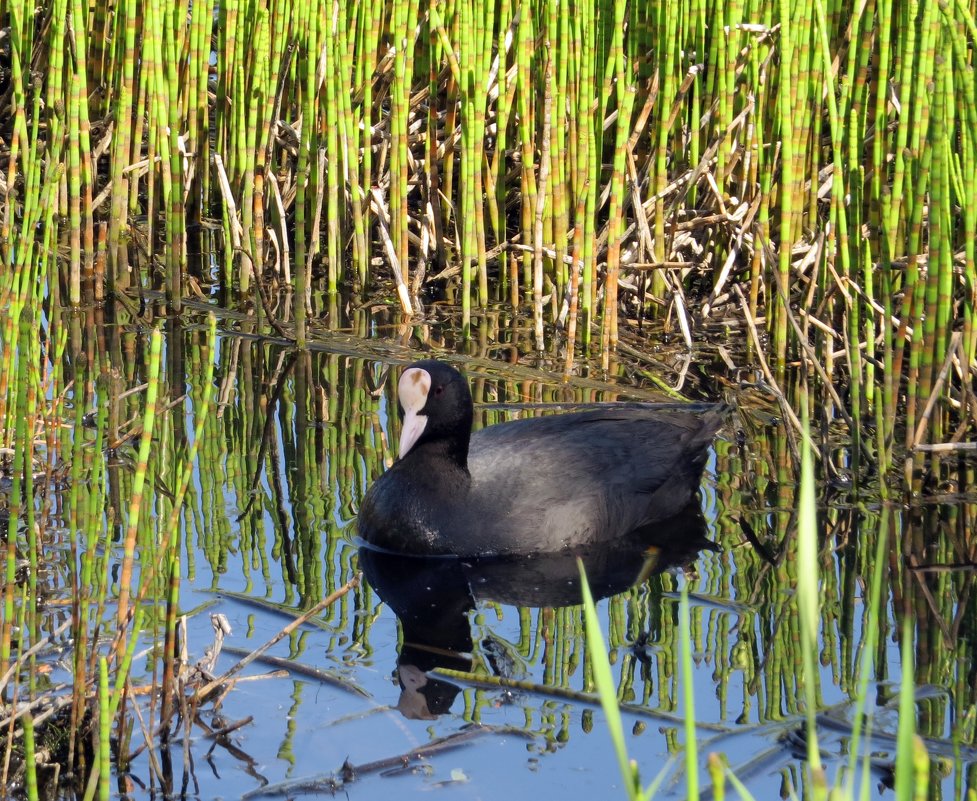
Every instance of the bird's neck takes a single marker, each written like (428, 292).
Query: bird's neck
(451, 449)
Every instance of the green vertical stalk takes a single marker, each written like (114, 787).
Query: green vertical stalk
(83, 181)
(139, 479)
(609, 331)
(966, 96)
(23, 446)
(30, 762)
(439, 51)
(251, 205)
(467, 201)
(484, 29)
(122, 143)
(332, 108)
(349, 146)
(723, 89)
(173, 186)
(74, 188)
(227, 27)
(585, 180)
(525, 95)
(906, 58)
(915, 296)
(447, 167)
(880, 198)
(195, 100)
(667, 30)
(939, 276)
(560, 165)
(304, 248)
(615, 72)
(104, 732)
(401, 34)
(503, 102)
(787, 178)
(590, 168)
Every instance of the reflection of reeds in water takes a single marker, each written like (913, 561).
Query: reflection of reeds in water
(281, 460)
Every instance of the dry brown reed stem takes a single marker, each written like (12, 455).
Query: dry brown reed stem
(147, 745)
(946, 447)
(283, 233)
(771, 381)
(379, 208)
(237, 230)
(316, 237)
(348, 772)
(203, 692)
(53, 706)
(30, 652)
(955, 340)
(266, 305)
(813, 360)
(289, 667)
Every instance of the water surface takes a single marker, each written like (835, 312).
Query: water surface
(269, 529)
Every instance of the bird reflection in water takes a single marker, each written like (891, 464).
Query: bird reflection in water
(433, 595)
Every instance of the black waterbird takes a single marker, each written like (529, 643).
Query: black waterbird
(538, 485)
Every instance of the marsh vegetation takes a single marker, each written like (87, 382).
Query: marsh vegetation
(223, 222)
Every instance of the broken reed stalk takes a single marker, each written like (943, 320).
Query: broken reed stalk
(202, 692)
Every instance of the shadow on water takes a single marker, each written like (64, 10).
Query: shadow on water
(432, 596)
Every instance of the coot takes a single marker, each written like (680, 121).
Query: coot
(536, 485)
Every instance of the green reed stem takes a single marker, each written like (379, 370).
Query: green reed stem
(905, 767)
(866, 667)
(526, 96)
(788, 181)
(139, 479)
(808, 608)
(30, 762)
(104, 749)
(688, 696)
(597, 650)
(122, 671)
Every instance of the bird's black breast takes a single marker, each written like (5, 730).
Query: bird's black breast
(415, 506)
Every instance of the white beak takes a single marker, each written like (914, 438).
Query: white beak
(412, 390)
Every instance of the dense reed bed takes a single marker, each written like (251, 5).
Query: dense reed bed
(791, 184)
(807, 170)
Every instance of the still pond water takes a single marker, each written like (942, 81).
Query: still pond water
(269, 526)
